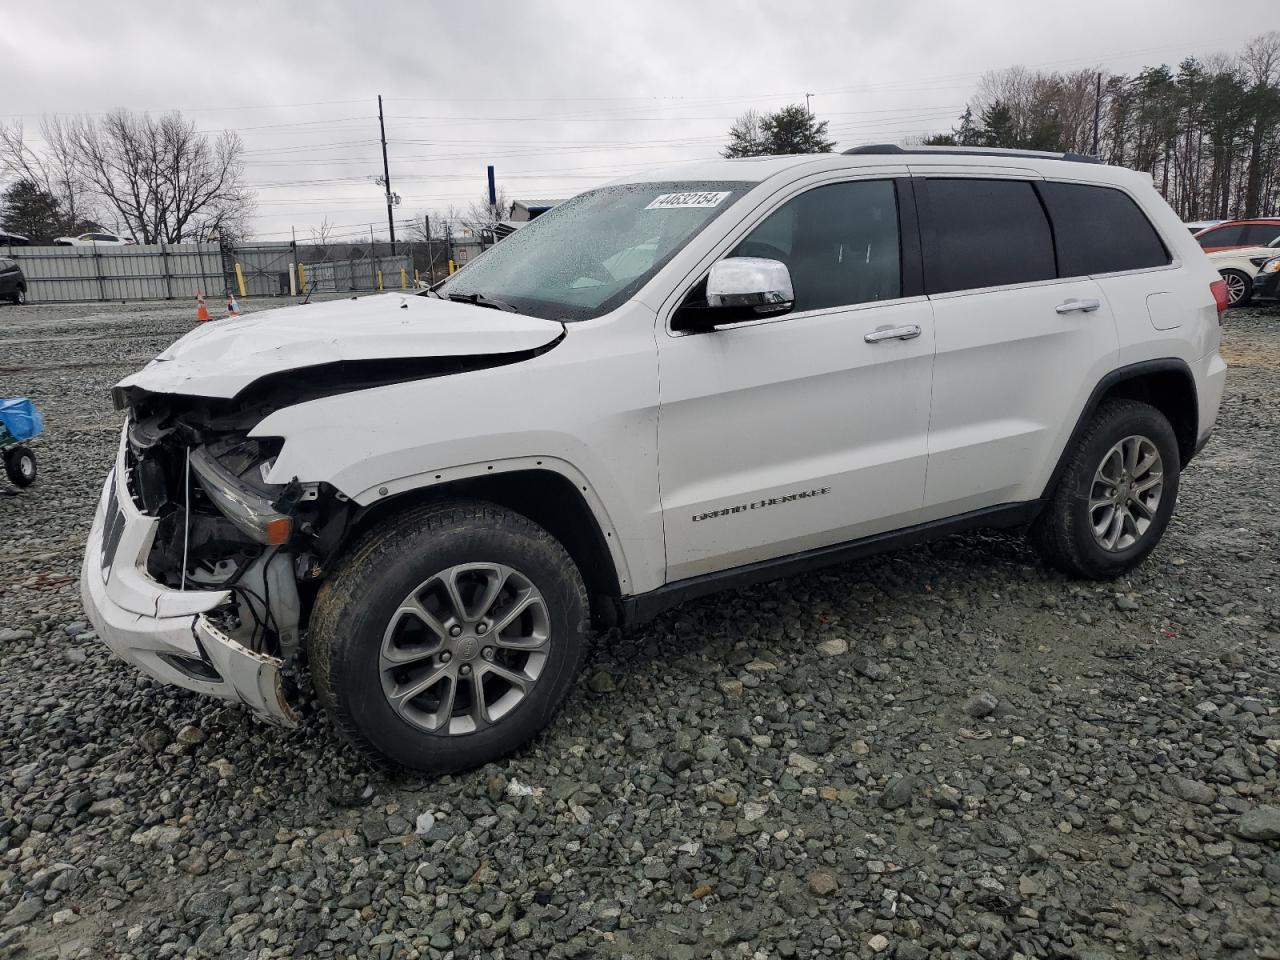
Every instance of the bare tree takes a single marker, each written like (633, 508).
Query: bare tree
(321, 237)
(1261, 64)
(165, 180)
(746, 136)
(55, 169)
(482, 216)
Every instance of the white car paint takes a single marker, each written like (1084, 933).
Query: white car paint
(1241, 258)
(698, 454)
(222, 357)
(94, 240)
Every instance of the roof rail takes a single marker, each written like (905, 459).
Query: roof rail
(893, 148)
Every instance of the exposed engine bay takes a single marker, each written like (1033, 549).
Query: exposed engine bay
(221, 525)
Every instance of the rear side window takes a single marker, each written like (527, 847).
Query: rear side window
(1100, 230)
(987, 233)
(1261, 234)
(1221, 237)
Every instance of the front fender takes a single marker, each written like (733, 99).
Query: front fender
(586, 411)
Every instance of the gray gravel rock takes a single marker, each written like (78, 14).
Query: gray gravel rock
(1260, 823)
(981, 705)
(738, 762)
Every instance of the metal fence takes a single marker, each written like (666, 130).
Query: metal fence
(177, 272)
(141, 272)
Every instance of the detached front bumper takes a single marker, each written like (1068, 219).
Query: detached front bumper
(161, 631)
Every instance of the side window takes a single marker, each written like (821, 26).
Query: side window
(1100, 230)
(987, 233)
(1221, 237)
(839, 241)
(1261, 234)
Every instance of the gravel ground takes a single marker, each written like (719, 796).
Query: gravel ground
(943, 752)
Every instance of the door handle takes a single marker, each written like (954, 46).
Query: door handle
(908, 332)
(1078, 306)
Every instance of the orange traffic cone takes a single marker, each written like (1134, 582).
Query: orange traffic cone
(233, 308)
(202, 312)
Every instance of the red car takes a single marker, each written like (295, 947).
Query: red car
(1239, 233)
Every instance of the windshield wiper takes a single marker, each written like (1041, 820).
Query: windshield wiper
(480, 300)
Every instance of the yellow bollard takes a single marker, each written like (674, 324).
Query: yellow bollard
(302, 278)
(379, 279)
(240, 282)
(404, 279)
(452, 266)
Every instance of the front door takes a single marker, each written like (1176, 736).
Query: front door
(787, 434)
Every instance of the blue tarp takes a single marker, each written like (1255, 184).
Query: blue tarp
(20, 418)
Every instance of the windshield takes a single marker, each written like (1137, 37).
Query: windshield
(590, 254)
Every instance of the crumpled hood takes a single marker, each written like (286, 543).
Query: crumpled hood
(222, 357)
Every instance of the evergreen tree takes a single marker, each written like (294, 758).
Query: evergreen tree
(27, 210)
(790, 130)
(793, 130)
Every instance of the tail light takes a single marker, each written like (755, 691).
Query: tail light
(1220, 296)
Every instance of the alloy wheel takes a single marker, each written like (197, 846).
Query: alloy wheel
(1236, 286)
(1125, 493)
(464, 648)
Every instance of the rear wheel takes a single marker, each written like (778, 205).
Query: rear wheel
(1114, 500)
(19, 296)
(20, 466)
(449, 636)
(1239, 287)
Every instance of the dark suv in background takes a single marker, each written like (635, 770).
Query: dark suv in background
(13, 285)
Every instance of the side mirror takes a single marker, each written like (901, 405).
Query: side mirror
(740, 289)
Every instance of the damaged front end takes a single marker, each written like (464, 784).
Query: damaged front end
(237, 555)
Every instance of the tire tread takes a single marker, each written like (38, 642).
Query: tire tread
(389, 539)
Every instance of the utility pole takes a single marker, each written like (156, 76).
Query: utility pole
(1097, 110)
(386, 177)
(807, 108)
(431, 253)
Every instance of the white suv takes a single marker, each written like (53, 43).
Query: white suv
(706, 376)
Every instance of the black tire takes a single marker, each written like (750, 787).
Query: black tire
(355, 605)
(1240, 282)
(20, 466)
(1063, 533)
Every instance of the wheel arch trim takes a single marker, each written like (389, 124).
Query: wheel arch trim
(1121, 375)
(443, 478)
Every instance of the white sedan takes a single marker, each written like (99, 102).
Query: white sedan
(94, 240)
(1239, 267)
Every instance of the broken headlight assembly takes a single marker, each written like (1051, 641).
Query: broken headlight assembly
(234, 479)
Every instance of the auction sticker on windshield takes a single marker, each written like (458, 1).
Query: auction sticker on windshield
(699, 198)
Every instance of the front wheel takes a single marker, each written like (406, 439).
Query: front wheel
(1239, 287)
(20, 465)
(1114, 500)
(449, 636)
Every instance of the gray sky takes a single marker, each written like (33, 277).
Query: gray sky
(560, 96)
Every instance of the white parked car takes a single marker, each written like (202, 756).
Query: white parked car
(94, 240)
(1239, 267)
(1195, 226)
(689, 380)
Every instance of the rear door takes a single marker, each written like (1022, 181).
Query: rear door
(1017, 347)
(1103, 233)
